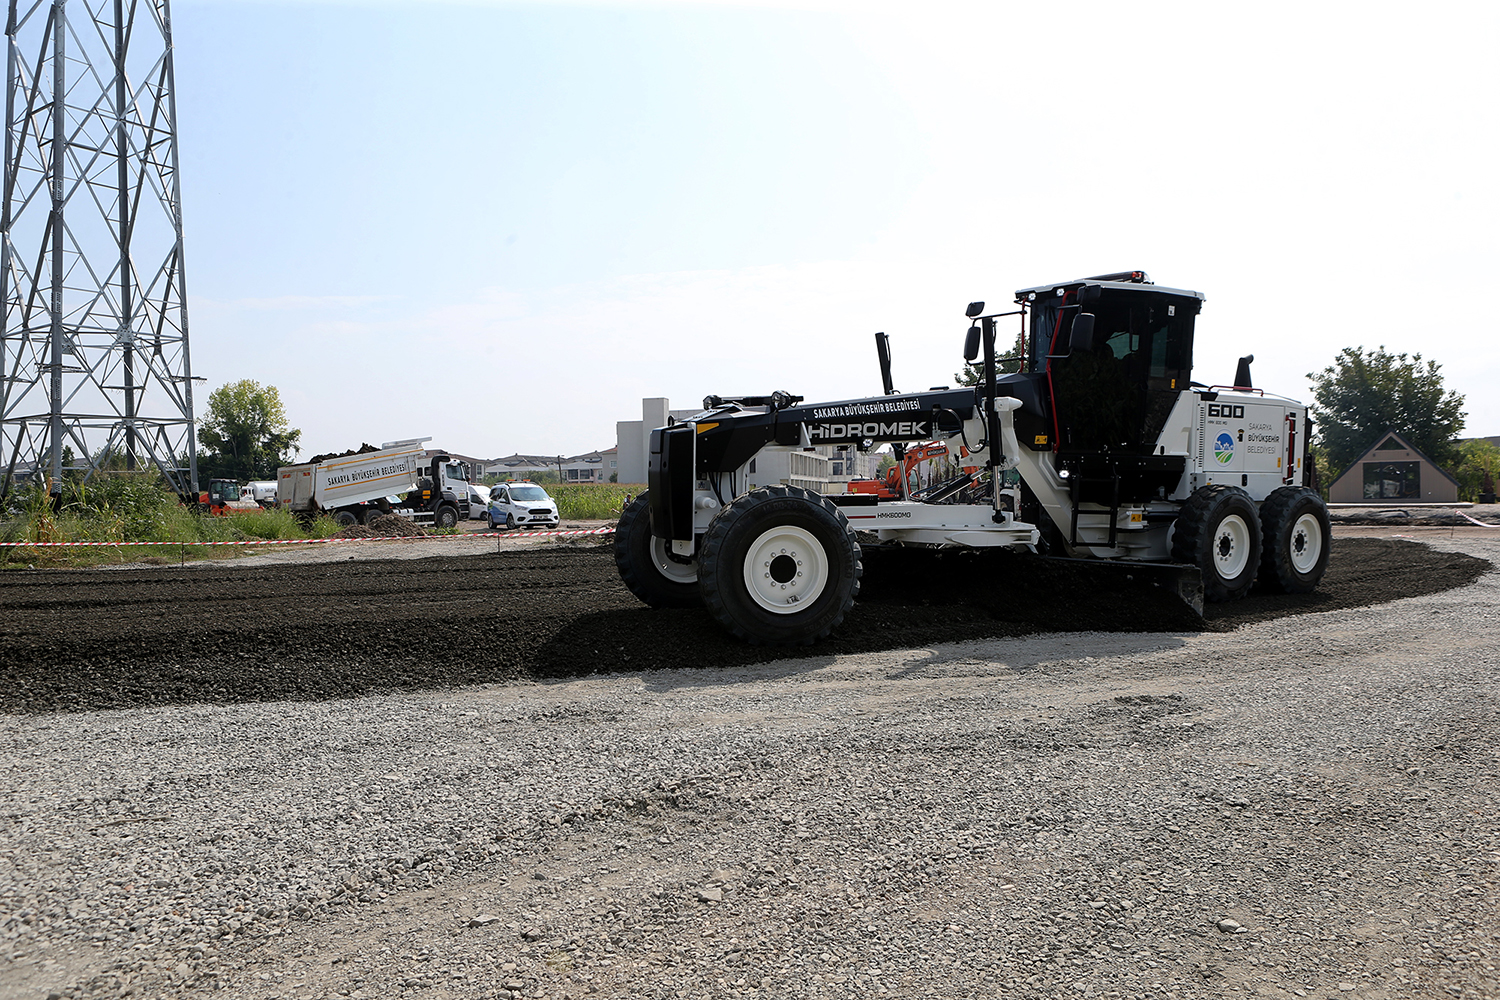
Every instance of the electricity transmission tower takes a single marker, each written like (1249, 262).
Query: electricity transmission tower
(93, 310)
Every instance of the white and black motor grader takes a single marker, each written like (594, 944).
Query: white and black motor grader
(1117, 455)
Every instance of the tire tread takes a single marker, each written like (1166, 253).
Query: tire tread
(711, 551)
(1189, 540)
(643, 581)
(1274, 515)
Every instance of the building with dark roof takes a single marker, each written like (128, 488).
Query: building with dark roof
(1393, 472)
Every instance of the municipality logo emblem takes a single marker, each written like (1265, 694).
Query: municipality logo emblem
(1224, 449)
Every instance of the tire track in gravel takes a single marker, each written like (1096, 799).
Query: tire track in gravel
(85, 639)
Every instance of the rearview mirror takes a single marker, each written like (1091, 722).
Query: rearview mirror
(971, 343)
(975, 308)
(1082, 337)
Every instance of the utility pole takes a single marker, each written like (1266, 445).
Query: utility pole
(93, 303)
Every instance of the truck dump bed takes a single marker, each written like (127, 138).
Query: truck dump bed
(351, 479)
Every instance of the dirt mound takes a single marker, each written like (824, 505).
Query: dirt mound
(392, 526)
(384, 526)
(363, 449)
(83, 639)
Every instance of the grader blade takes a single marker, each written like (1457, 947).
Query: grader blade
(1180, 580)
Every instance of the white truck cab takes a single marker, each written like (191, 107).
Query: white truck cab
(455, 473)
(522, 504)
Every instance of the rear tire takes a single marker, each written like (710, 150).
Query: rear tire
(1296, 532)
(1218, 531)
(345, 518)
(372, 513)
(779, 566)
(645, 568)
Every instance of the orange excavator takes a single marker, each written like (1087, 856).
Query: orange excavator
(900, 479)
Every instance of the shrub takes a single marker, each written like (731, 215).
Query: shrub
(132, 508)
(1478, 468)
(323, 527)
(269, 524)
(180, 524)
(591, 501)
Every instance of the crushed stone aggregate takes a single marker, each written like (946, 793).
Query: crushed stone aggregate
(81, 639)
(1277, 803)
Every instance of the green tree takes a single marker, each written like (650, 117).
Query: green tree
(1319, 458)
(1363, 394)
(1005, 364)
(113, 459)
(246, 433)
(69, 461)
(1478, 469)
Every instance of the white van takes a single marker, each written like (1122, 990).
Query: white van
(479, 500)
(522, 504)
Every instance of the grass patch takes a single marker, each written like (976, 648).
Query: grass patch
(592, 501)
(127, 511)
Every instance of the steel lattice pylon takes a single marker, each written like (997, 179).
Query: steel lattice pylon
(94, 327)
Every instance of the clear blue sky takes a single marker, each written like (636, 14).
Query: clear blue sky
(502, 224)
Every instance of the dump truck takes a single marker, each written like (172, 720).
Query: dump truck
(1122, 458)
(395, 479)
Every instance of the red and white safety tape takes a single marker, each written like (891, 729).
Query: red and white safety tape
(117, 545)
(314, 541)
(608, 529)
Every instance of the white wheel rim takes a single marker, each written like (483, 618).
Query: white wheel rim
(1305, 547)
(670, 568)
(1231, 547)
(785, 570)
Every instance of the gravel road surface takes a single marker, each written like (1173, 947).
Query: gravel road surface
(1274, 804)
(340, 626)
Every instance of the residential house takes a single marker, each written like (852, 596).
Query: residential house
(1393, 471)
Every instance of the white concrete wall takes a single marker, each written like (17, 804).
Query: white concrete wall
(633, 437)
(631, 456)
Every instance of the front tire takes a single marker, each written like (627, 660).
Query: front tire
(1296, 531)
(779, 566)
(1219, 531)
(446, 517)
(645, 567)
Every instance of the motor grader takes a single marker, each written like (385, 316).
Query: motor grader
(1122, 457)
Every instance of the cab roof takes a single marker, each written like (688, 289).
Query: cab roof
(1125, 281)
